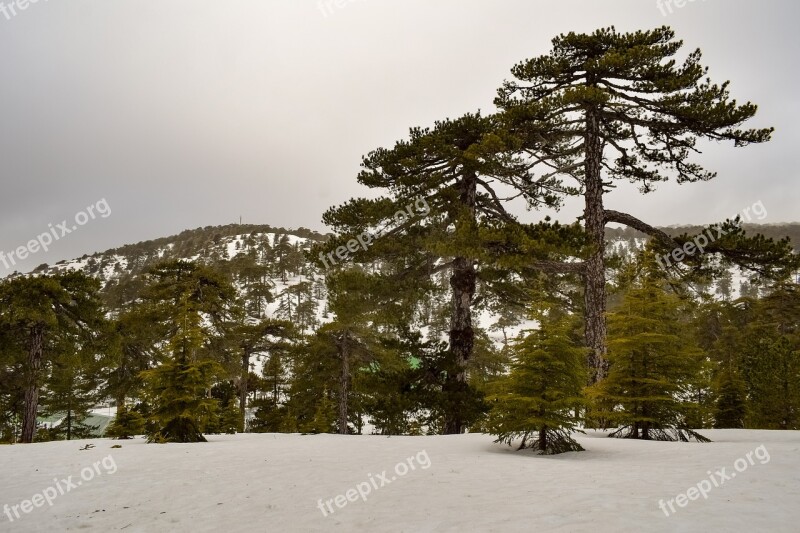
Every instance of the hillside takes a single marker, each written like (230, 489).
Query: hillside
(235, 249)
(239, 249)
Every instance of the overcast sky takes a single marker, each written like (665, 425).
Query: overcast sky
(188, 113)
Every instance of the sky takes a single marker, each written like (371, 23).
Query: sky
(170, 115)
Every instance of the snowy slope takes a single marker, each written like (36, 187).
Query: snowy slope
(275, 483)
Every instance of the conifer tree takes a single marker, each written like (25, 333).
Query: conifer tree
(127, 424)
(137, 344)
(266, 338)
(72, 390)
(444, 189)
(730, 407)
(350, 339)
(537, 402)
(721, 326)
(771, 366)
(324, 419)
(271, 410)
(39, 313)
(612, 106)
(12, 393)
(194, 304)
(654, 360)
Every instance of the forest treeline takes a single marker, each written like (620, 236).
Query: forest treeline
(578, 336)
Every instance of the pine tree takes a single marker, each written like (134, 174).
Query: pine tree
(617, 106)
(267, 337)
(771, 366)
(72, 390)
(720, 326)
(444, 201)
(654, 359)
(536, 403)
(271, 412)
(12, 391)
(731, 408)
(284, 261)
(136, 347)
(40, 314)
(127, 424)
(178, 392)
(194, 304)
(324, 419)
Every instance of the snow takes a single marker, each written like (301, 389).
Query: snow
(275, 482)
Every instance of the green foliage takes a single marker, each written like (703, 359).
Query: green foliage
(641, 92)
(771, 360)
(730, 409)
(654, 361)
(127, 424)
(537, 402)
(181, 408)
(324, 420)
(192, 306)
(53, 335)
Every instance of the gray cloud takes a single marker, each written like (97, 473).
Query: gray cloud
(189, 113)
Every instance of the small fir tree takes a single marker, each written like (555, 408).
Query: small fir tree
(536, 403)
(654, 360)
(126, 425)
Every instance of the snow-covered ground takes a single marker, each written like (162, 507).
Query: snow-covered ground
(453, 483)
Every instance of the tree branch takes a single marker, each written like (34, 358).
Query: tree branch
(633, 222)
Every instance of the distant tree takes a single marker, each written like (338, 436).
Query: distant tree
(771, 360)
(265, 338)
(731, 405)
(725, 286)
(127, 424)
(271, 412)
(324, 416)
(12, 390)
(282, 250)
(720, 328)
(138, 347)
(73, 389)
(228, 417)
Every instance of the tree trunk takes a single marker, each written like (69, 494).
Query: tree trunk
(243, 389)
(462, 336)
(69, 420)
(344, 381)
(595, 282)
(32, 389)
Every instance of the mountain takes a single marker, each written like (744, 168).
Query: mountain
(262, 255)
(251, 254)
